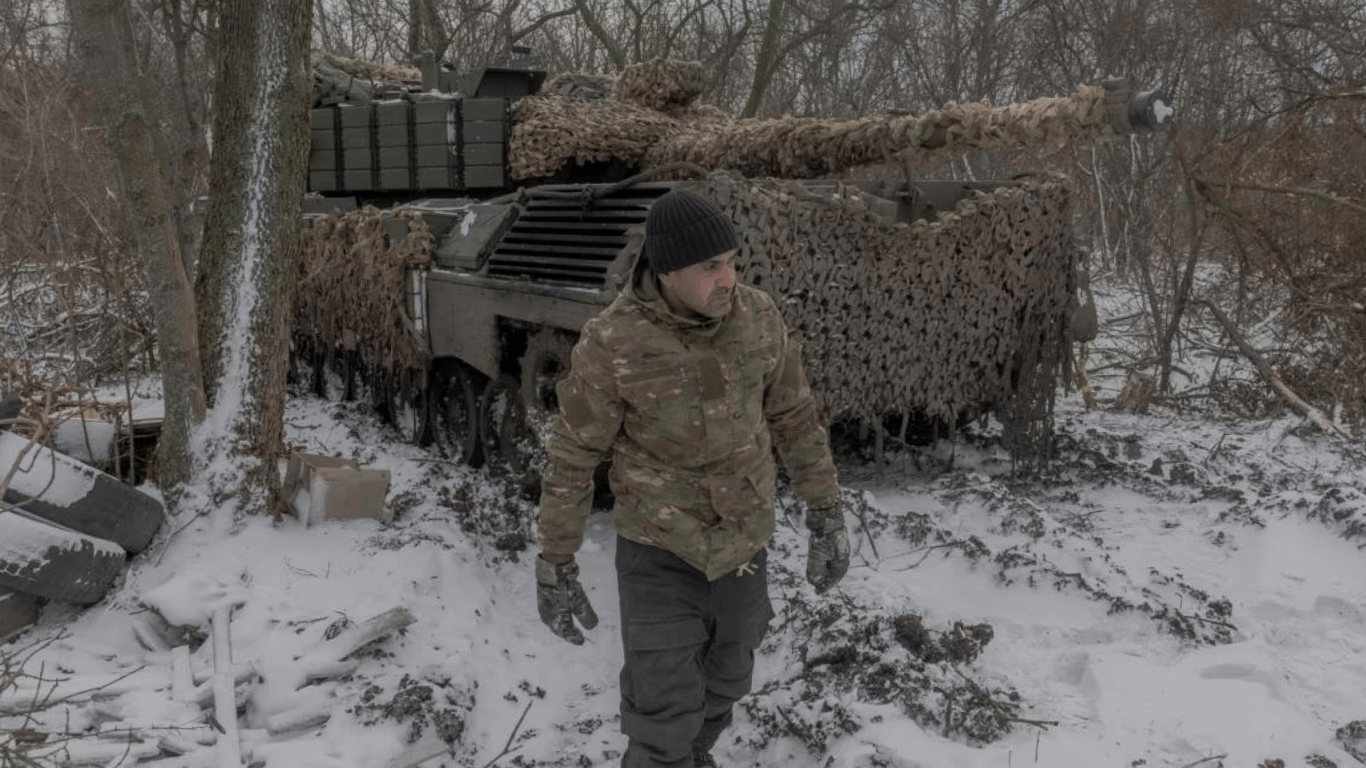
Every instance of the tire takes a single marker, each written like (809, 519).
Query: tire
(73, 495)
(11, 405)
(18, 612)
(56, 563)
(455, 413)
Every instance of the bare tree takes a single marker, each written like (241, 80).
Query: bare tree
(106, 43)
(251, 241)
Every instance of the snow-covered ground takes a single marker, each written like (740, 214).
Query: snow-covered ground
(1170, 591)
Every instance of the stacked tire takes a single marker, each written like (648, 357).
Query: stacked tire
(66, 528)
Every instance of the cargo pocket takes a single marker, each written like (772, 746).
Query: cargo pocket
(729, 666)
(664, 409)
(662, 689)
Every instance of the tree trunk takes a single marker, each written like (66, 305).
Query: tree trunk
(766, 61)
(104, 39)
(251, 231)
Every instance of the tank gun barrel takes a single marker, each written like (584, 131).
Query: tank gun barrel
(812, 147)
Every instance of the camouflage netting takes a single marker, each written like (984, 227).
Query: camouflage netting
(940, 317)
(660, 84)
(353, 285)
(549, 132)
(365, 70)
(579, 85)
(653, 119)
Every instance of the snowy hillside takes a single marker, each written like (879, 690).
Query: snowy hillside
(1169, 591)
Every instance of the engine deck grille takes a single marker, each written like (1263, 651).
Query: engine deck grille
(563, 237)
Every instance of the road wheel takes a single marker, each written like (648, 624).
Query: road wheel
(53, 562)
(544, 364)
(455, 412)
(56, 487)
(513, 441)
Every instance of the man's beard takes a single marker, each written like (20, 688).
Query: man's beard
(719, 299)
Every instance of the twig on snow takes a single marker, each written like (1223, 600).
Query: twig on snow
(1203, 760)
(508, 748)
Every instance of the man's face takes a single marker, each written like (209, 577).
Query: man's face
(706, 288)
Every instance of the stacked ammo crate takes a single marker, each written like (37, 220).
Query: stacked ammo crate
(400, 146)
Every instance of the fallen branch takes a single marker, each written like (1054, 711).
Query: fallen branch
(1203, 760)
(508, 748)
(1264, 369)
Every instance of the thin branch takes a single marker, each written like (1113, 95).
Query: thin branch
(1317, 194)
(508, 748)
(1204, 760)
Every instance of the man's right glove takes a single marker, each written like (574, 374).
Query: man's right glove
(560, 599)
(827, 559)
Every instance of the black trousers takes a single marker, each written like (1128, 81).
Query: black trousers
(689, 651)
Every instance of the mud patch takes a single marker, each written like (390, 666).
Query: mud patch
(431, 704)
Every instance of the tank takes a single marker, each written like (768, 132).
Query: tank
(463, 229)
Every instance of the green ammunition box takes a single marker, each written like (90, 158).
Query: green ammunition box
(483, 109)
(355, 117)
(483, 131)
(325, 139)
(483, 154)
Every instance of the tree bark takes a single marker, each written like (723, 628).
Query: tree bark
(766, 60)
(251, 232)
(104, 40)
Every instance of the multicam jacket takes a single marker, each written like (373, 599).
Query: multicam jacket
(688, 411)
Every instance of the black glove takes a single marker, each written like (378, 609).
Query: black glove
(827, 559)
(560, 599)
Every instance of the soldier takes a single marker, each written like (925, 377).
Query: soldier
(686, 382)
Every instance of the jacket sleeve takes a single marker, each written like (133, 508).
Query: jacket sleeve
(589, 418)
(795, 423)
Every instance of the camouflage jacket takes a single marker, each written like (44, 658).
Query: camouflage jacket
(688, 411)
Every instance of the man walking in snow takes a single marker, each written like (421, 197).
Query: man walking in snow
(686, 382)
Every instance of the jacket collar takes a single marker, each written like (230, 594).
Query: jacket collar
(643, 291)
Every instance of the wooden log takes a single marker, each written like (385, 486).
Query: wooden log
(76, 753)
(182, 679)
(417, 755)
(300, 719)
(357, 636)
(229, 747)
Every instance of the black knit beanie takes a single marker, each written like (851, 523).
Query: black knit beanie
(682, 229)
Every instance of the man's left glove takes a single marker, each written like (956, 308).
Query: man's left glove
(560, 599)
(827, 559)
